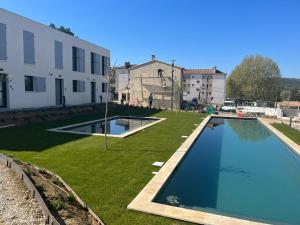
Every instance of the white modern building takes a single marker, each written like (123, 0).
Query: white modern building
(206, 85)
(43, 67)
(122, 82)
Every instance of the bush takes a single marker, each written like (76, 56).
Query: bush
(57, 204)
(71, 199)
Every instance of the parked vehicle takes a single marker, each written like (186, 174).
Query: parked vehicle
(228, 106)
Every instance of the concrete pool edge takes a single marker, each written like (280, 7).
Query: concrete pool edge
(287, 141)
(126, 134)
(143, 201)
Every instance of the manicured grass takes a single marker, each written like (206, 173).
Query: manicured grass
(106, 180)
(290, 132)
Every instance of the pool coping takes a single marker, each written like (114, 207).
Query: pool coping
(287, 141)
(143, 201)
(126, 134)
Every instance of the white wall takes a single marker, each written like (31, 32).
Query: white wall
(218, 88)
(44, 38)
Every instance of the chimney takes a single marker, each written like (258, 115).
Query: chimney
(127, 65)
(152, 57)
(215, 69)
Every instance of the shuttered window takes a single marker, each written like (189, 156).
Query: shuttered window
(78, 57)
(78, 86)
(58, 54)
(95, 63)
(104, 87)
(3, 47)
(28, 45)
(105, 65)
(37, 84)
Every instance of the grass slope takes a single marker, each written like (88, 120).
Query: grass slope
(288, 131)
(106, 180)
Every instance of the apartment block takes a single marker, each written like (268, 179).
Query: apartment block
(43, 67)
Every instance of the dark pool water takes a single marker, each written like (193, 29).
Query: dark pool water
(237, 168)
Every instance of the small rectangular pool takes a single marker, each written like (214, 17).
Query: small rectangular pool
(117, 126)
(237, 168)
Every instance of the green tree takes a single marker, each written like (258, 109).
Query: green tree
(257, 77)
(62, 29)
(295, 94)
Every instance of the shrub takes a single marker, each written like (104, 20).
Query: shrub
(57, 204)
(71, 199)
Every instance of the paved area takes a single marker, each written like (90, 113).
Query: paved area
(16, 205)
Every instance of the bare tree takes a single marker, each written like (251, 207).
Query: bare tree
(110, 75)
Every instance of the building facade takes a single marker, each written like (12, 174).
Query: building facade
(205, 85)
(43, 67)
(155, 77)
(122, 82)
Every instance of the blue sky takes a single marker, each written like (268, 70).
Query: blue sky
(196, 33)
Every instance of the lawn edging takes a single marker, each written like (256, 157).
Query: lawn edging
(10, 163)
(81, 202)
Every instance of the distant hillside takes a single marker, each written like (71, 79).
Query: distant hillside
(289, 83)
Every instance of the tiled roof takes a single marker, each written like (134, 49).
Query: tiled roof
(202, 71)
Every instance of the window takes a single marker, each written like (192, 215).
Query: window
(78, 56)
(96, 63)
(37, 84)
(189, 85)
(188, 92)
(3, 48)
(197, 89)
(28, 45)
(193, 85)
(104, 87)
(78, 86)
(202, 85)
(198, 81)
(58, 54)
(105, 65)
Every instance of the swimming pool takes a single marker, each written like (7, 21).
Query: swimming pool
(237, 168)
(117, 126)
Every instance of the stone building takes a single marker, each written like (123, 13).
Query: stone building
(155, 77)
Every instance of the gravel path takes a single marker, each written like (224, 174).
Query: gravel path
(16, 205)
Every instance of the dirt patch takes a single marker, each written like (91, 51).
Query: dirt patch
(62, 204)
(17, 207)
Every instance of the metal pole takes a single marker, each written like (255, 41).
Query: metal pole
(172, 84)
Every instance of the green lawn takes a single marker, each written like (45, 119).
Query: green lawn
(106, 180)
(292, 133)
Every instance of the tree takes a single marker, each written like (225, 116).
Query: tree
(62, 29)
(295, 94)
(285, 95)
(257, 77)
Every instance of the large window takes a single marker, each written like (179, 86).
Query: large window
(104, 87)
(78, 55)
(28, 45)
(33, 83)
(58, 54)
(78, 86)
(3, 48)
(105, 65)
(95, 63)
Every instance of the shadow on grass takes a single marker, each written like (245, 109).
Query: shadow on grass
(35, 137)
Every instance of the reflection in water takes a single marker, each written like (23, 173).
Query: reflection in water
(248, 130)
(235, 170)
(214, 122)
(114, 126)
